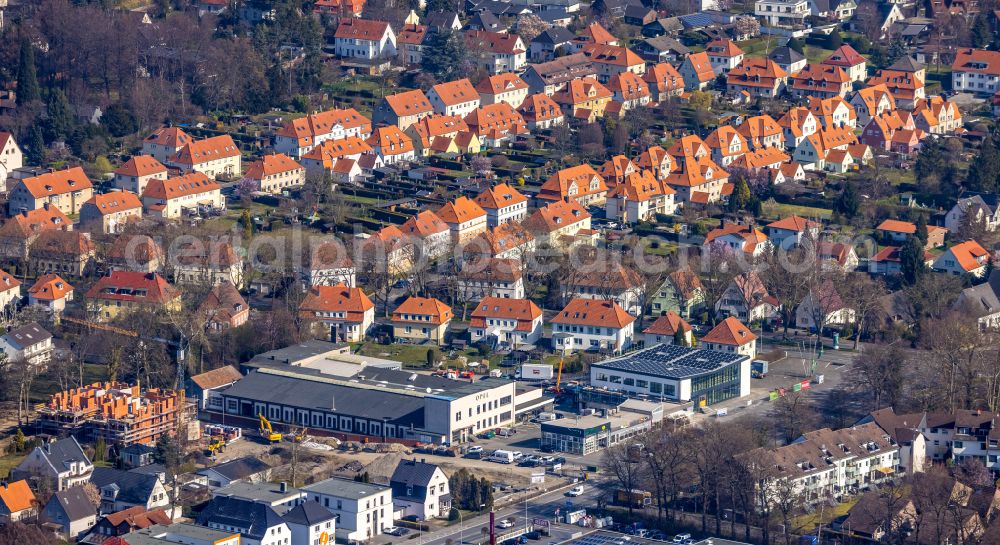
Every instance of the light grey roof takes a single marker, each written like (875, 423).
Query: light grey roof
(135, 488)
(984, 298)
(906, 63)
(666, 43)
(671, 361)
(308, 513)
(345, 488)
(64, 452)
(260, 492)
(303, 350)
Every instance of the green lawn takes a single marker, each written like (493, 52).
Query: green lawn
(811, 520)
(816, 54)
(781, 210)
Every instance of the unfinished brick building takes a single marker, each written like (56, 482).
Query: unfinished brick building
(118, 412)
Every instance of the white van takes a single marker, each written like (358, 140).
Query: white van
(502, 456)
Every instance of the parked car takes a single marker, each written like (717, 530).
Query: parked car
(575, 491)
(505, 523)
(474, 449)
(681, 538)
(396, 531)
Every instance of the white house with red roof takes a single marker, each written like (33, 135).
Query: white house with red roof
(456, 98)
(429, 233)
(850, 61)
(496, 52)
(513, 322)
(135, 173)
(216, 156)
(967, 257)
(664, 330)
(541, 112)
(164, 142)
(364, 39)
(507, 87)
(51, 292)
(421, 318)
(464, 217)
(724, 55)
(344, 313)
(640, 197)
(276, 172)
(789, 231)
(580, 183)
(392, 145)
(733, 237)
(10, 292)
(298, 136)
(747, 298)
(592, 325)
(730, 335)
(976, 71)
(111, 212)
(503, 204)
(823, 305)
(561, 224)
(11, 157)
(169, 198)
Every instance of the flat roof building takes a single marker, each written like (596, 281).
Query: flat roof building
(594, 432)
(676, 373)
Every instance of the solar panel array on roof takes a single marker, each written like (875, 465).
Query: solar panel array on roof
(671, 361)
(696, 20)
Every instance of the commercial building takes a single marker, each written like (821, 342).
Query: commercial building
(366, 401)
(119, 413)
(594, 432)
(676, 373)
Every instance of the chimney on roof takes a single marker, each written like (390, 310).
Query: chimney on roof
(283, 486)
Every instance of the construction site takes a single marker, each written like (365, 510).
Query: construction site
(119, 413)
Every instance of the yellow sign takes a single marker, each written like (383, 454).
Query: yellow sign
(323, 538)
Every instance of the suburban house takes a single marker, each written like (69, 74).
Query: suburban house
(135, 173)
(50, 291)
(782, 13)
(62, 463)
(17, 502)
(848, 60)
(789, 231)
(464, 218)
(11, 157)
(977, 209)
(681, 293)
(392, 145)
(820, 81)
(490, 277)
(29, 343)
(964, 258)
(172, 197)
(246, 469)
(663, 81)
(110, 212)
(456, 98)
(513, 322)
(402, 109)
(733, 237)
(896, 232)
(123, 489)
(870, 102)
(420, 489)
(364, 40)
(129, 290)
(823, 305)
(797, 124)
(257, 523)
(539, 111)
(592, 325)
(429, 233)
(506, 87)
(761, 131)
(496, 52)
(697, 71)
(560, 224)
(611, 281)
(503, 204)
(421, 318)
(207, 263)
(664, 330)
(790, 60)
(275, 172)
(584, 98)
(346, 314)
(165, 142)
(730, 335)
(66, 190)
(907, 88)
(71, 511)
(363, 510)
(214, 157)
(747, 298)
(580, 183)
(310, 522)
(224, 308)
(724, 55)
(640, 197)
(758, 77)
(299, 136)
(976, 71)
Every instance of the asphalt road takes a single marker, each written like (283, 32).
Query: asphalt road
(476, 529)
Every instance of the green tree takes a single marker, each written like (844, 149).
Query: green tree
(921, 233)
(897, 50)
(27, 77)
(34, 146)
(679, 338)
(119, 120)
(247, 224)
(985, 170)
(102, 165)
(740, 199)
(60, 115)
(797, 45)
(700, 100)
(19, 441)
(100, 450)
(432, 357)
(848, 204)
(833, 41)
(980, 33)
(444, 55)
(911, 258)
(167, 452)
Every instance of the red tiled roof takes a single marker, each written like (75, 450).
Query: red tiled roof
(361, 29)
(193, 183)
(668, 324)
(438, 312)
(730, 332)
(140, 165)
(593, 312)
(115, 201)
(57, 183)
(269, 165)
(136, 287)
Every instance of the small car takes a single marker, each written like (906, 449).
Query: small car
(681, 538)
(575, 491)
(505, 523)
(476, 448)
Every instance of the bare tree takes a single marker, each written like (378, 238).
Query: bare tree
(880, 371)
(620, 459)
